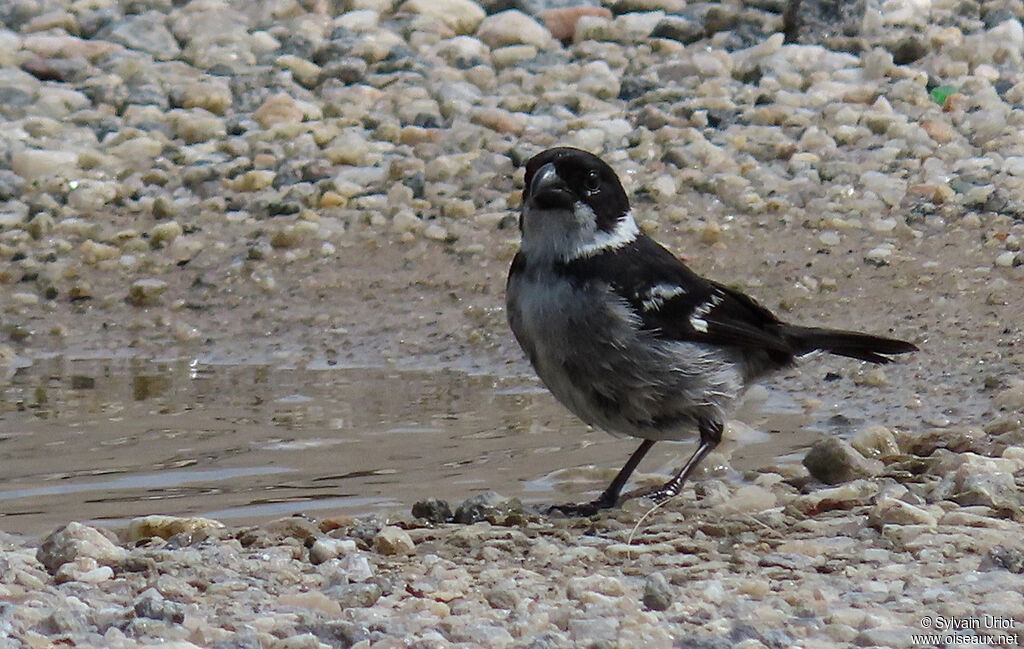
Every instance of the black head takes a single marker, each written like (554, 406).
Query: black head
(560, 178)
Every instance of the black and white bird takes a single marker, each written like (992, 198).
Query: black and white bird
(625, 335)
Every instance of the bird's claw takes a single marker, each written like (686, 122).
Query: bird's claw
(659, 495)
(581, 510)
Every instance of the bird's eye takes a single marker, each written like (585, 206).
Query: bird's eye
(592, 182)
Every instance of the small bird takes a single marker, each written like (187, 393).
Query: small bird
(625, 335)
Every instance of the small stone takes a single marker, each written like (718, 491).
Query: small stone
(11, 185)
(356, 567)
(198, 125)
(146, 292)
(908, 49)
(84, 570)
(657, 592)
(488, 506)
(873, 377)
(680, 29)
(462, 16)
(287, 237)
(32, 164)
(711, 233)
(500, 120)
(358, 595)
(152, 605)
(833, 461)
(92, 195)
(146, 33)
(75, 540)
(1006, 259)
(24, 299)
(597, 79)
(561, 22)
(995, 489)
(326, 548)
(165, 527)
(164, 233)
(749, 499)
(829, 238)
(93, 252)
(878, 256)
(939, 130)
(957, 440)
(213, 97)
(1007, 558)
(892, 511)
(885, 186)
(435, 232)
(513, 27)
(846, 496)
(432, 510)
(503, 595)
(305, 72)
(332, 199)
(254, 181)
(875, 442)
(293, 527)
(393, 540)
(1012, 397)
(280, 108)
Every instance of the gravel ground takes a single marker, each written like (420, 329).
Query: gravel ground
(306, 180)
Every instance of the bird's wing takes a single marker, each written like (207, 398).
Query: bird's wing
(675, 303)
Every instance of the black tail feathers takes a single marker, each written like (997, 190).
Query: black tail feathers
(874, 349)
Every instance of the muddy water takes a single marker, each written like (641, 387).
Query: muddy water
(106, 440)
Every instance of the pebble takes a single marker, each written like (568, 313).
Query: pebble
(145, 32)
(393, 540)
(280, 108)
(875, 442)
(678, 28)
(461, 16)
(512, 27)
(432, 510)
(561, 22)
(832, 461)
(896, 512)
(75, 541)
(1012, 397)
(435, 232)
(165, 527)
(34, 164)
(324, 549)
(657, 592)
(879, 256)
(1008, 259)
(146, 292)
(163, 234)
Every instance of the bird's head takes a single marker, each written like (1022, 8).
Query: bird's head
(573, 206)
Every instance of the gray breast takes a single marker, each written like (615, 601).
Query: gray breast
(587, 347)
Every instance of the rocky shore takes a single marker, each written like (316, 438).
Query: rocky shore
(929, 545)
(319, 180)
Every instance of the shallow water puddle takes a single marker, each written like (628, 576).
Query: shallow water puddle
(107, 440)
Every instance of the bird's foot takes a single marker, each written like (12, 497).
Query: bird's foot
(574, 510)
(659, 494)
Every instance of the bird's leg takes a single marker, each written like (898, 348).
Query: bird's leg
(610, 496)
(710, 436)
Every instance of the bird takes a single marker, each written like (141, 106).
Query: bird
(630, 339)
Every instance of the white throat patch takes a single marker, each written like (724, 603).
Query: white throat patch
(625, 232)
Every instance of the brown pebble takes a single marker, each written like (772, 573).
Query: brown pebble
(562, 22)
(939, 130)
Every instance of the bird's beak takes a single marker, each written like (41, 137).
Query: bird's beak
(547, 189)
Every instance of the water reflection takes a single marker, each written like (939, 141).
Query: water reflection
(107, 440)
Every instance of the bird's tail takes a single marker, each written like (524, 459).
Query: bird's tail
(874, 349)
